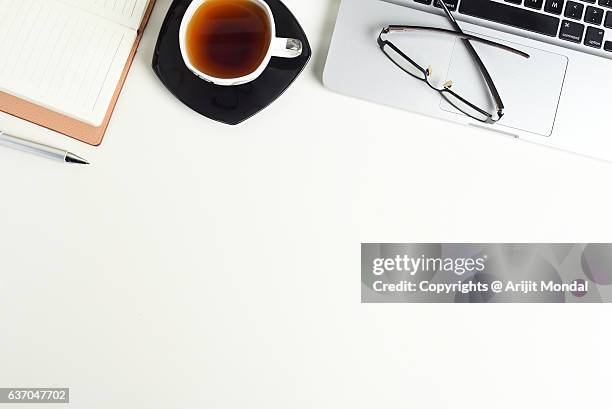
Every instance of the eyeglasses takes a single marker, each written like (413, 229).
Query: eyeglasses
(406, 64)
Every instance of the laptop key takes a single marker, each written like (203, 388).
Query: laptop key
(571, 31)
(451, 4)
(554, 6)
(589, 1)
(511, 16)
(608, 46)
(534, 4)
(514, 1)
(608, 22)
(428, 2)
(574, 10)
(594, 37)
(594, 15)
(605, 3)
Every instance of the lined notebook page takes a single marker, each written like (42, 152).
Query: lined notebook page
(126, 12)
(62, 58)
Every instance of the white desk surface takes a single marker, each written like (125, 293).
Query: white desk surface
(196, 265)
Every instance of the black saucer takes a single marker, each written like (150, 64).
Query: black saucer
(230, 105)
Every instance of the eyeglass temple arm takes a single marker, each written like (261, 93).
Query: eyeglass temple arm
(464, 36)
(481, 66)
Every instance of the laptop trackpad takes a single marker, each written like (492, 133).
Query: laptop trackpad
(530, 88)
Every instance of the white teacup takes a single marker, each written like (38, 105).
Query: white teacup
(278, 47)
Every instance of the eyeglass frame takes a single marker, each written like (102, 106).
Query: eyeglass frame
(467, 38)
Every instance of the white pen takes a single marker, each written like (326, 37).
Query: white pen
(39, 149)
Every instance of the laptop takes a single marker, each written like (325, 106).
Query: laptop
(561, 96)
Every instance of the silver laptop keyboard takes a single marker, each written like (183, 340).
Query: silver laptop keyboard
(585, 25)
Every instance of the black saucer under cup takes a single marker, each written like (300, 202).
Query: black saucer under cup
(228, 104)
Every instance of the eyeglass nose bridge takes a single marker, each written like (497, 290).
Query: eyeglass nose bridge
(429, 72)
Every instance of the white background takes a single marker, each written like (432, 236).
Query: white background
(200, 265)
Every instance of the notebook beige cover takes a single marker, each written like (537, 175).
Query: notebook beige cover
(69, 125)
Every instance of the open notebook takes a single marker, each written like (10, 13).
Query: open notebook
(68, 57)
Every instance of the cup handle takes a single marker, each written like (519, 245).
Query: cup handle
(286, 47)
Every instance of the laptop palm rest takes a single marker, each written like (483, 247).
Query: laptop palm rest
(355, 66)
(530, 88)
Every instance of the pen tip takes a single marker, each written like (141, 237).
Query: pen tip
(72, 158)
